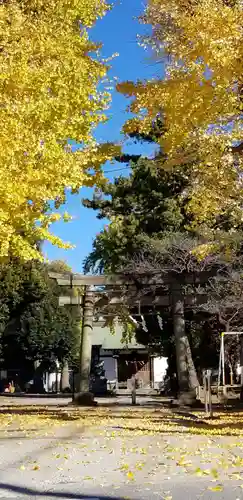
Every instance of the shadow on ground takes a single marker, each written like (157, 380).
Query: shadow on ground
(20, 490)
(138, 418)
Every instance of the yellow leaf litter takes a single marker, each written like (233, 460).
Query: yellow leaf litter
(31, 421)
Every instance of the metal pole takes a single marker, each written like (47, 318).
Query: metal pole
(209, 374)
(223, 366)
(220, 364)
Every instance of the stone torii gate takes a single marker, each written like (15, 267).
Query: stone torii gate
(86, 301)
(87, 304)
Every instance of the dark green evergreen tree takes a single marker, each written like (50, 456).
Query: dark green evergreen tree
(33, 326)
(150, 201)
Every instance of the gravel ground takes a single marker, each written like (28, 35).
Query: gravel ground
(73, 463)
(60, 401)
(67, 460)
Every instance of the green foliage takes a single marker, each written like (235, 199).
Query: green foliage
(147, 216)
(33, 326)
(20, 284)
(147, 202)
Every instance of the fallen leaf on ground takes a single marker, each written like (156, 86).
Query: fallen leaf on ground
(219, 487)
(130, 476)
(124, 467)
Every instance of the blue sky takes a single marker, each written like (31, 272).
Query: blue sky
(118, 32)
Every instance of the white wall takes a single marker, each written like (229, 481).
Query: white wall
(160, 367)
(50, 381)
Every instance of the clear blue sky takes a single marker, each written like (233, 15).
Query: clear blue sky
(118, 32)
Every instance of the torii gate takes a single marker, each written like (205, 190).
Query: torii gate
(87, 302)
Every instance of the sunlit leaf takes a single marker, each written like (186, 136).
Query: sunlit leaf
(219, 487)
(36, 467)
(130, 476)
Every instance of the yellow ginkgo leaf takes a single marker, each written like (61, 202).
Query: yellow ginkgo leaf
(124, 467)
(130, 476)
(22, 467)
(206, 472)
(199, 472)
(214, 473)
(36, 467)
(219, 487)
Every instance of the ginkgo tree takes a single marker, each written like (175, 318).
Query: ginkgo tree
(51, 95)
(200, 43)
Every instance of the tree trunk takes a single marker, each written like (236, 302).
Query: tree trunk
(65, 384)
(185, 366)
(192, 373)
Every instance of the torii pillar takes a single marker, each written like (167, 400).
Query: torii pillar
(83, 396)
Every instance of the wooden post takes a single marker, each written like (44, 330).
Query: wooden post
(205, 391)
(116, 370)
(133, 380)
(241, 369)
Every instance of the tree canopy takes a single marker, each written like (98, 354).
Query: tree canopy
(147, 202)
(33, 326)
(200, 45)
(52, 94)
(149, 240)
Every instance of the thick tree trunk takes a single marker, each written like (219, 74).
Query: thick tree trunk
(192, 373)
(180, 342)
(65, 384)
(185, 367)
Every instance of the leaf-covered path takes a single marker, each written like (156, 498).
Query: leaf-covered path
(119, 453)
